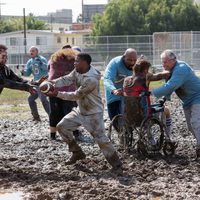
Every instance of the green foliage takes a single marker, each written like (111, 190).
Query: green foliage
(13, 24)
(34, 24)
(133, 17)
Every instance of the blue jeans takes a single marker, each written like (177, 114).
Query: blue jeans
(115, 108)
(33, 104)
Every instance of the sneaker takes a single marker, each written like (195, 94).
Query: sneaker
(78, 155)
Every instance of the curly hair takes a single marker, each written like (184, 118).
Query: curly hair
(3, 48)
(141, 65)
(64, 54)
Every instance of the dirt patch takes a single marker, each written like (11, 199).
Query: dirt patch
(35, 165)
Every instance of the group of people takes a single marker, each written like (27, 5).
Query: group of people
(76, 99)
(76, 82)
(131, 74)
(60, 64)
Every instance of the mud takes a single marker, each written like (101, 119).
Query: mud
(33, 164)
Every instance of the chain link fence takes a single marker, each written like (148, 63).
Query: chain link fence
(102, 49)
(186, 46)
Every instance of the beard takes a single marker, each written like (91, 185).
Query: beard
(129, 67)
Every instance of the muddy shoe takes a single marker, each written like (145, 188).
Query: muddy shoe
(79, 155)
(117, 170)
(197, 155)
(37, 119)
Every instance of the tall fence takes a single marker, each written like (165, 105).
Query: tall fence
(186, 45)
(102, 49)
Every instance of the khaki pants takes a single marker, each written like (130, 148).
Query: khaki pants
(94, 124)
(192, 115)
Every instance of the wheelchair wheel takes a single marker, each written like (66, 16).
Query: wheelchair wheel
(151, 136)
(117, 131)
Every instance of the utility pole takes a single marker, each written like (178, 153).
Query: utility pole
(82, 15)
(0, 8)
(24, 20)
(51, 21)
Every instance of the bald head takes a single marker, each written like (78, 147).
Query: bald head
(130, 57)
(33, 51)
(130, 51)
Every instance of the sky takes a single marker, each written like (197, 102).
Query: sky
(42, 7)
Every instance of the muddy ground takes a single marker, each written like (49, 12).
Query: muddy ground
(33, 164)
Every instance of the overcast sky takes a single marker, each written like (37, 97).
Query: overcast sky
(42, 7)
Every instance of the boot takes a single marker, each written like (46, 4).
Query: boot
(197, 154)
(78, 155)
(53, 135)
(116, 164)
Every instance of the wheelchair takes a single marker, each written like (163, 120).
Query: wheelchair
(142, 129)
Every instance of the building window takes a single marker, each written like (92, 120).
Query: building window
(58, 39)
(7, 41)
(13, 41)
(41, 41)
(67, 40)
(73, 41)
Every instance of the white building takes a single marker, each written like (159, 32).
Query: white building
(47, 42)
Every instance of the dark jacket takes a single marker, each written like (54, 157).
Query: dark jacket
(8, 79)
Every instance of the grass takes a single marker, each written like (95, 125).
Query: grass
(14, 104)
(156, 84)
(13, 97)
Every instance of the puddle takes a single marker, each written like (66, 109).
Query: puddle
(11, 196)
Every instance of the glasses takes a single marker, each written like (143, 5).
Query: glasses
(167, 61)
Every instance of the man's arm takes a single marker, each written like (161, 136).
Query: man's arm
(27, 69)
(158, 76)
(110, 76)
(12, 84)
(15, 77)
(176, 80)
(81, 92)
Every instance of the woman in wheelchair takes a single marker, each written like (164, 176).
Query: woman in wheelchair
(138, 82)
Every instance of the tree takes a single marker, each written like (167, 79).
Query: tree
(13, 24)
(133, 17)
(35, 24)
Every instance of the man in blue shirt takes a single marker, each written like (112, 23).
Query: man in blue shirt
(187, 87)
(37, 66)
(117, 69)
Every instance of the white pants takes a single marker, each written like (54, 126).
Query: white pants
(192, 115)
